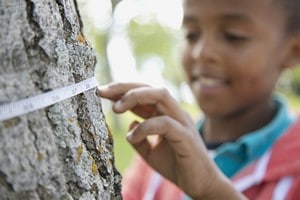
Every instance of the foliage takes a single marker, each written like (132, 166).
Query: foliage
(152, 39)
(102, 70)
(295, 80)
(289, 82)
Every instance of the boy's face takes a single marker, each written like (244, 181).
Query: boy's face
(233, 53)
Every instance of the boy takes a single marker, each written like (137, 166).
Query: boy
(234, 54)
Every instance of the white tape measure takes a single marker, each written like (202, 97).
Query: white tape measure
(30, 104)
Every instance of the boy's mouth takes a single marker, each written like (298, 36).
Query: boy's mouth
(209, 81)
(206, 80)
(208, 84)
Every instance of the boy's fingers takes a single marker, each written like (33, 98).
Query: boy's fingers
(159, 157)
(114, 91)
(164, 103)
(130, 95)
(174, 132)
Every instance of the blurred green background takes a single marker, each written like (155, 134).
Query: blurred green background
(139, 40)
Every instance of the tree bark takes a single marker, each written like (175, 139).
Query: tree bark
(64, 151)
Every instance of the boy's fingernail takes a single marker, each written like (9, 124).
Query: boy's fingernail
(133, 125)
(117, 105)
(101, 87)
(130, 137)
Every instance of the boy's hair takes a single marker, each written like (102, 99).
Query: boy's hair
(292, 10)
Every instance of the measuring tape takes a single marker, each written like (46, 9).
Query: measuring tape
(24, 106)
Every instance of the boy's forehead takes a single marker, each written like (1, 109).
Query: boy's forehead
(257, 15)
(232, 9)
(246, 4)
(225, 1)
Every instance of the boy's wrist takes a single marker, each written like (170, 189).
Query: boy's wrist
(220, 188)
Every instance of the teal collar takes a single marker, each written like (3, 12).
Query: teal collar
(233, 156)
(257, 142)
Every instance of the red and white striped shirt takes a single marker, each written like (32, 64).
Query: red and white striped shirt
(274, 176)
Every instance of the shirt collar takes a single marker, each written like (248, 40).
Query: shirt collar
(257, 142)
(233, 156)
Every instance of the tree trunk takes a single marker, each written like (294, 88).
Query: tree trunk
(64, 151)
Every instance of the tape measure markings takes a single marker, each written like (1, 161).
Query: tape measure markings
(30, 104)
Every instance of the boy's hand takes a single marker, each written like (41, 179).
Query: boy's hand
(178, 152)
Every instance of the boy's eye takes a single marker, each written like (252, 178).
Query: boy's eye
(191, 36)
(231, 37)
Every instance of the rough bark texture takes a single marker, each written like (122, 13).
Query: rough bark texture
(64, 151)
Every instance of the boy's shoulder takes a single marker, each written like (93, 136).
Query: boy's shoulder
(278, 169)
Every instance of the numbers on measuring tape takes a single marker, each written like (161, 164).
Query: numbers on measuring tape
(55, 98)
(28, 107)
(74, 91)
(30, 104)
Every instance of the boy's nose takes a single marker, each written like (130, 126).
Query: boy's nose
(205, 50)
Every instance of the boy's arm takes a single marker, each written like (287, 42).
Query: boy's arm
(177, 151)
(223, 189)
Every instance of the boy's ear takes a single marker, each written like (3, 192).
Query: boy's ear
(293, 53)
